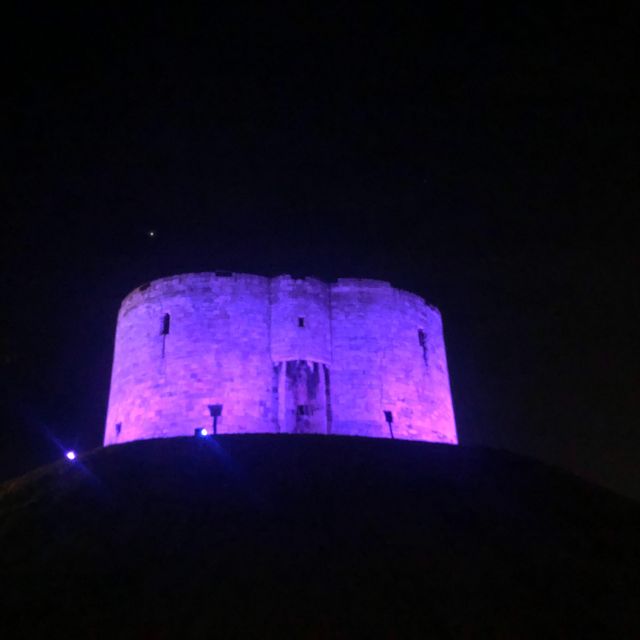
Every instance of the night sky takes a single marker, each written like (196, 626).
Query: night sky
(486, 161)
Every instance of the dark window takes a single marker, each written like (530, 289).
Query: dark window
(422, 339)
(303, 410)
(118, 428)
(301, 322)
(166, 323)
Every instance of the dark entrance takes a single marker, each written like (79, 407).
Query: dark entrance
(302, 397)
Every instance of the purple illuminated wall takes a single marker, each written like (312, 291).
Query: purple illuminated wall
(282, 355)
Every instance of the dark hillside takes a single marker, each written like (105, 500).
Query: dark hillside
(314, 536)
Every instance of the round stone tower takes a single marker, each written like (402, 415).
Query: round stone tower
(278, 355)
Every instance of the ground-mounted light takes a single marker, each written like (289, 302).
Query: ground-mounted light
(215, 410)
(200, 432)
(70, 455)
(388, 416)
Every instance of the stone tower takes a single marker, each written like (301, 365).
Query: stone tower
(279, 355)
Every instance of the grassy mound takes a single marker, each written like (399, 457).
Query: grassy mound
(314, 536)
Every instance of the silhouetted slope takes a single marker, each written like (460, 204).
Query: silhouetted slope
(315, 536)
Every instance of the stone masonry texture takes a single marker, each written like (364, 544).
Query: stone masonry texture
(280, 355)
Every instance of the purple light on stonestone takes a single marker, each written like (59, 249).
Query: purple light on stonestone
(70, 455)
(281, 355)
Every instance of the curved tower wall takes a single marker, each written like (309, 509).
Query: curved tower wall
(280, 355)
(389, 355)
(216, 352)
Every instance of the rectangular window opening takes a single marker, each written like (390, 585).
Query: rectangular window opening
(166, 324)
(422, 339)
(301, 322)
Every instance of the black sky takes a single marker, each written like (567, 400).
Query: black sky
(485, 160)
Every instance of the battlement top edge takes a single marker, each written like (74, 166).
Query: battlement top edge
(337, 285)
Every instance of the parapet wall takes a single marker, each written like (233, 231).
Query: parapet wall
(279, 355)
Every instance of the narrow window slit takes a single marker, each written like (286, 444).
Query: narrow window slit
(166, 326)
(422, 340)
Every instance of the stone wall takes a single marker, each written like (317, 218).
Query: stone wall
(280, 355)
